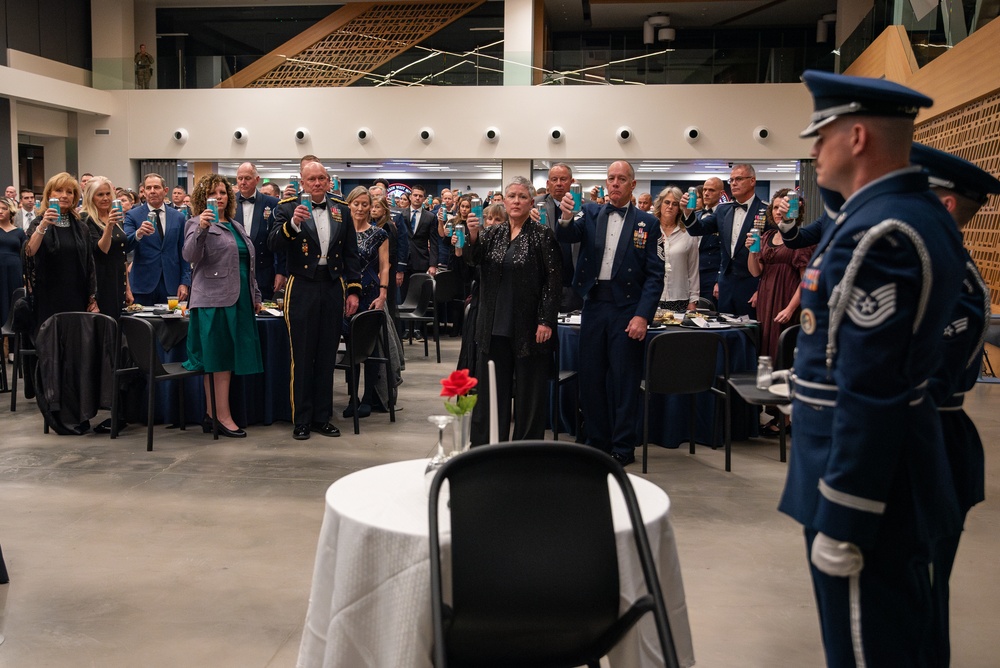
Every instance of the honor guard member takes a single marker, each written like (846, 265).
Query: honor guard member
(619, 276)
(317, 236)
(963, 188)
(868, 478)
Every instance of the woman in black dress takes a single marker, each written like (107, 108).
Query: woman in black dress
(111, 246)
(520, 268)
(59, 267)
(11, 239)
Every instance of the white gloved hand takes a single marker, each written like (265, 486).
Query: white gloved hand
(786, 226)
(836, 558)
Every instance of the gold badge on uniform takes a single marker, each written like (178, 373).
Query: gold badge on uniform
(808, 321)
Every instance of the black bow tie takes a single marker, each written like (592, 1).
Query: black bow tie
(319, 205)
(620, 210)
(737, 205)
(247, 199)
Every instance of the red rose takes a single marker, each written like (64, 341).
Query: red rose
(457, 384)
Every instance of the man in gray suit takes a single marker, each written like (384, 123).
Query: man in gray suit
(556, 187)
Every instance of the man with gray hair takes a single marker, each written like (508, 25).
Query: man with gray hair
(732, 221)
(557, 185)
(254, 211)
(619, 276)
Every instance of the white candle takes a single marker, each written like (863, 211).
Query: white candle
(494, 420)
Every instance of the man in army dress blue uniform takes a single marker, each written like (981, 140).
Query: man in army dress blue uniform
(317, 235)
(868, 477)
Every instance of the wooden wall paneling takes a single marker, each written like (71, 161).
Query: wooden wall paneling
(973, 133)
(352, 41)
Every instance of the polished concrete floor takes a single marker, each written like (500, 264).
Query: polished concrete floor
(200, 553)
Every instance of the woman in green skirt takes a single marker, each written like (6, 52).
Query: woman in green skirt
(222, 336)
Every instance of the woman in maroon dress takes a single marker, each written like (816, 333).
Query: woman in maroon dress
(777, 300)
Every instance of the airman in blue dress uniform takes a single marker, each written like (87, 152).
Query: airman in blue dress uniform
(868, 477)
(619, 276)
(963, 188)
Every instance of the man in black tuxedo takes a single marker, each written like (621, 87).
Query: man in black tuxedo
(732, 221)
(321, 250)
(422, 230)
(254, 211)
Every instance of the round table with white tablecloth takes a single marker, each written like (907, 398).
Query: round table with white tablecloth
(370, 599)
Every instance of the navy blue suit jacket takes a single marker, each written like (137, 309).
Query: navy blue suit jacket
(736, 283)
(156, 255)
(637, 272)
(267, 263)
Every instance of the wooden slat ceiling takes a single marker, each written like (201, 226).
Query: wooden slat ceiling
(356, 39)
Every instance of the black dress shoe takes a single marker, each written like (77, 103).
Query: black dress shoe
(231, 433)
(301, 432)
(364, 410)
(328, 429)
(105, 427)
(623, 458)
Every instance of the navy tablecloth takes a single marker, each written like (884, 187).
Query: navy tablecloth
(261, 398)
(670, 414)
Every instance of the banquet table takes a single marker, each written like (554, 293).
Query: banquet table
(370, 602)
(261, 398)
(669, 423)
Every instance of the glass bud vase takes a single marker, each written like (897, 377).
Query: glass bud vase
(439, 457)
(462, 434)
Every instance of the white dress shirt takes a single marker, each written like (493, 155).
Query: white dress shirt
(615, 223)
(739, 215)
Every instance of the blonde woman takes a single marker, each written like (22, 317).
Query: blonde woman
(110, 246)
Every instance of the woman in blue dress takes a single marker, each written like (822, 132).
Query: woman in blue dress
(222, 335)
(373, 250)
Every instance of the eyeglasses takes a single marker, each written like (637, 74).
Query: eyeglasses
(738, 179)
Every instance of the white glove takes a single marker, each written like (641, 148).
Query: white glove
(836, 558)
(786, 226)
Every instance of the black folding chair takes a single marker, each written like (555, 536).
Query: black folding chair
(559, 379)
(684, 362)
(424, 314)
(20, 352)
(413, 292)
(745, 384)
(75, 373)
(367, 330)
(140, 337)
(534, 565)
(8, 335)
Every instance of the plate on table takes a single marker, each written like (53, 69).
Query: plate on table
(779, 389)
(172, 316)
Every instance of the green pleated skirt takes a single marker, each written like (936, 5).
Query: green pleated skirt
(225, 338)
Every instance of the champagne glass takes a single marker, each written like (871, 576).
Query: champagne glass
(439, 457)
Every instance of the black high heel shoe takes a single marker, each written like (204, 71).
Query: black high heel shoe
(206, 427)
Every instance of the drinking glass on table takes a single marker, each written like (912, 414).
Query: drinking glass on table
(172, 302)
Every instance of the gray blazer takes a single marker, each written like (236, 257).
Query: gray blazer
(215, 278)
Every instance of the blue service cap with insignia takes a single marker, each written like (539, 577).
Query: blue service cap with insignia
(836, 95)
(949, 171)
